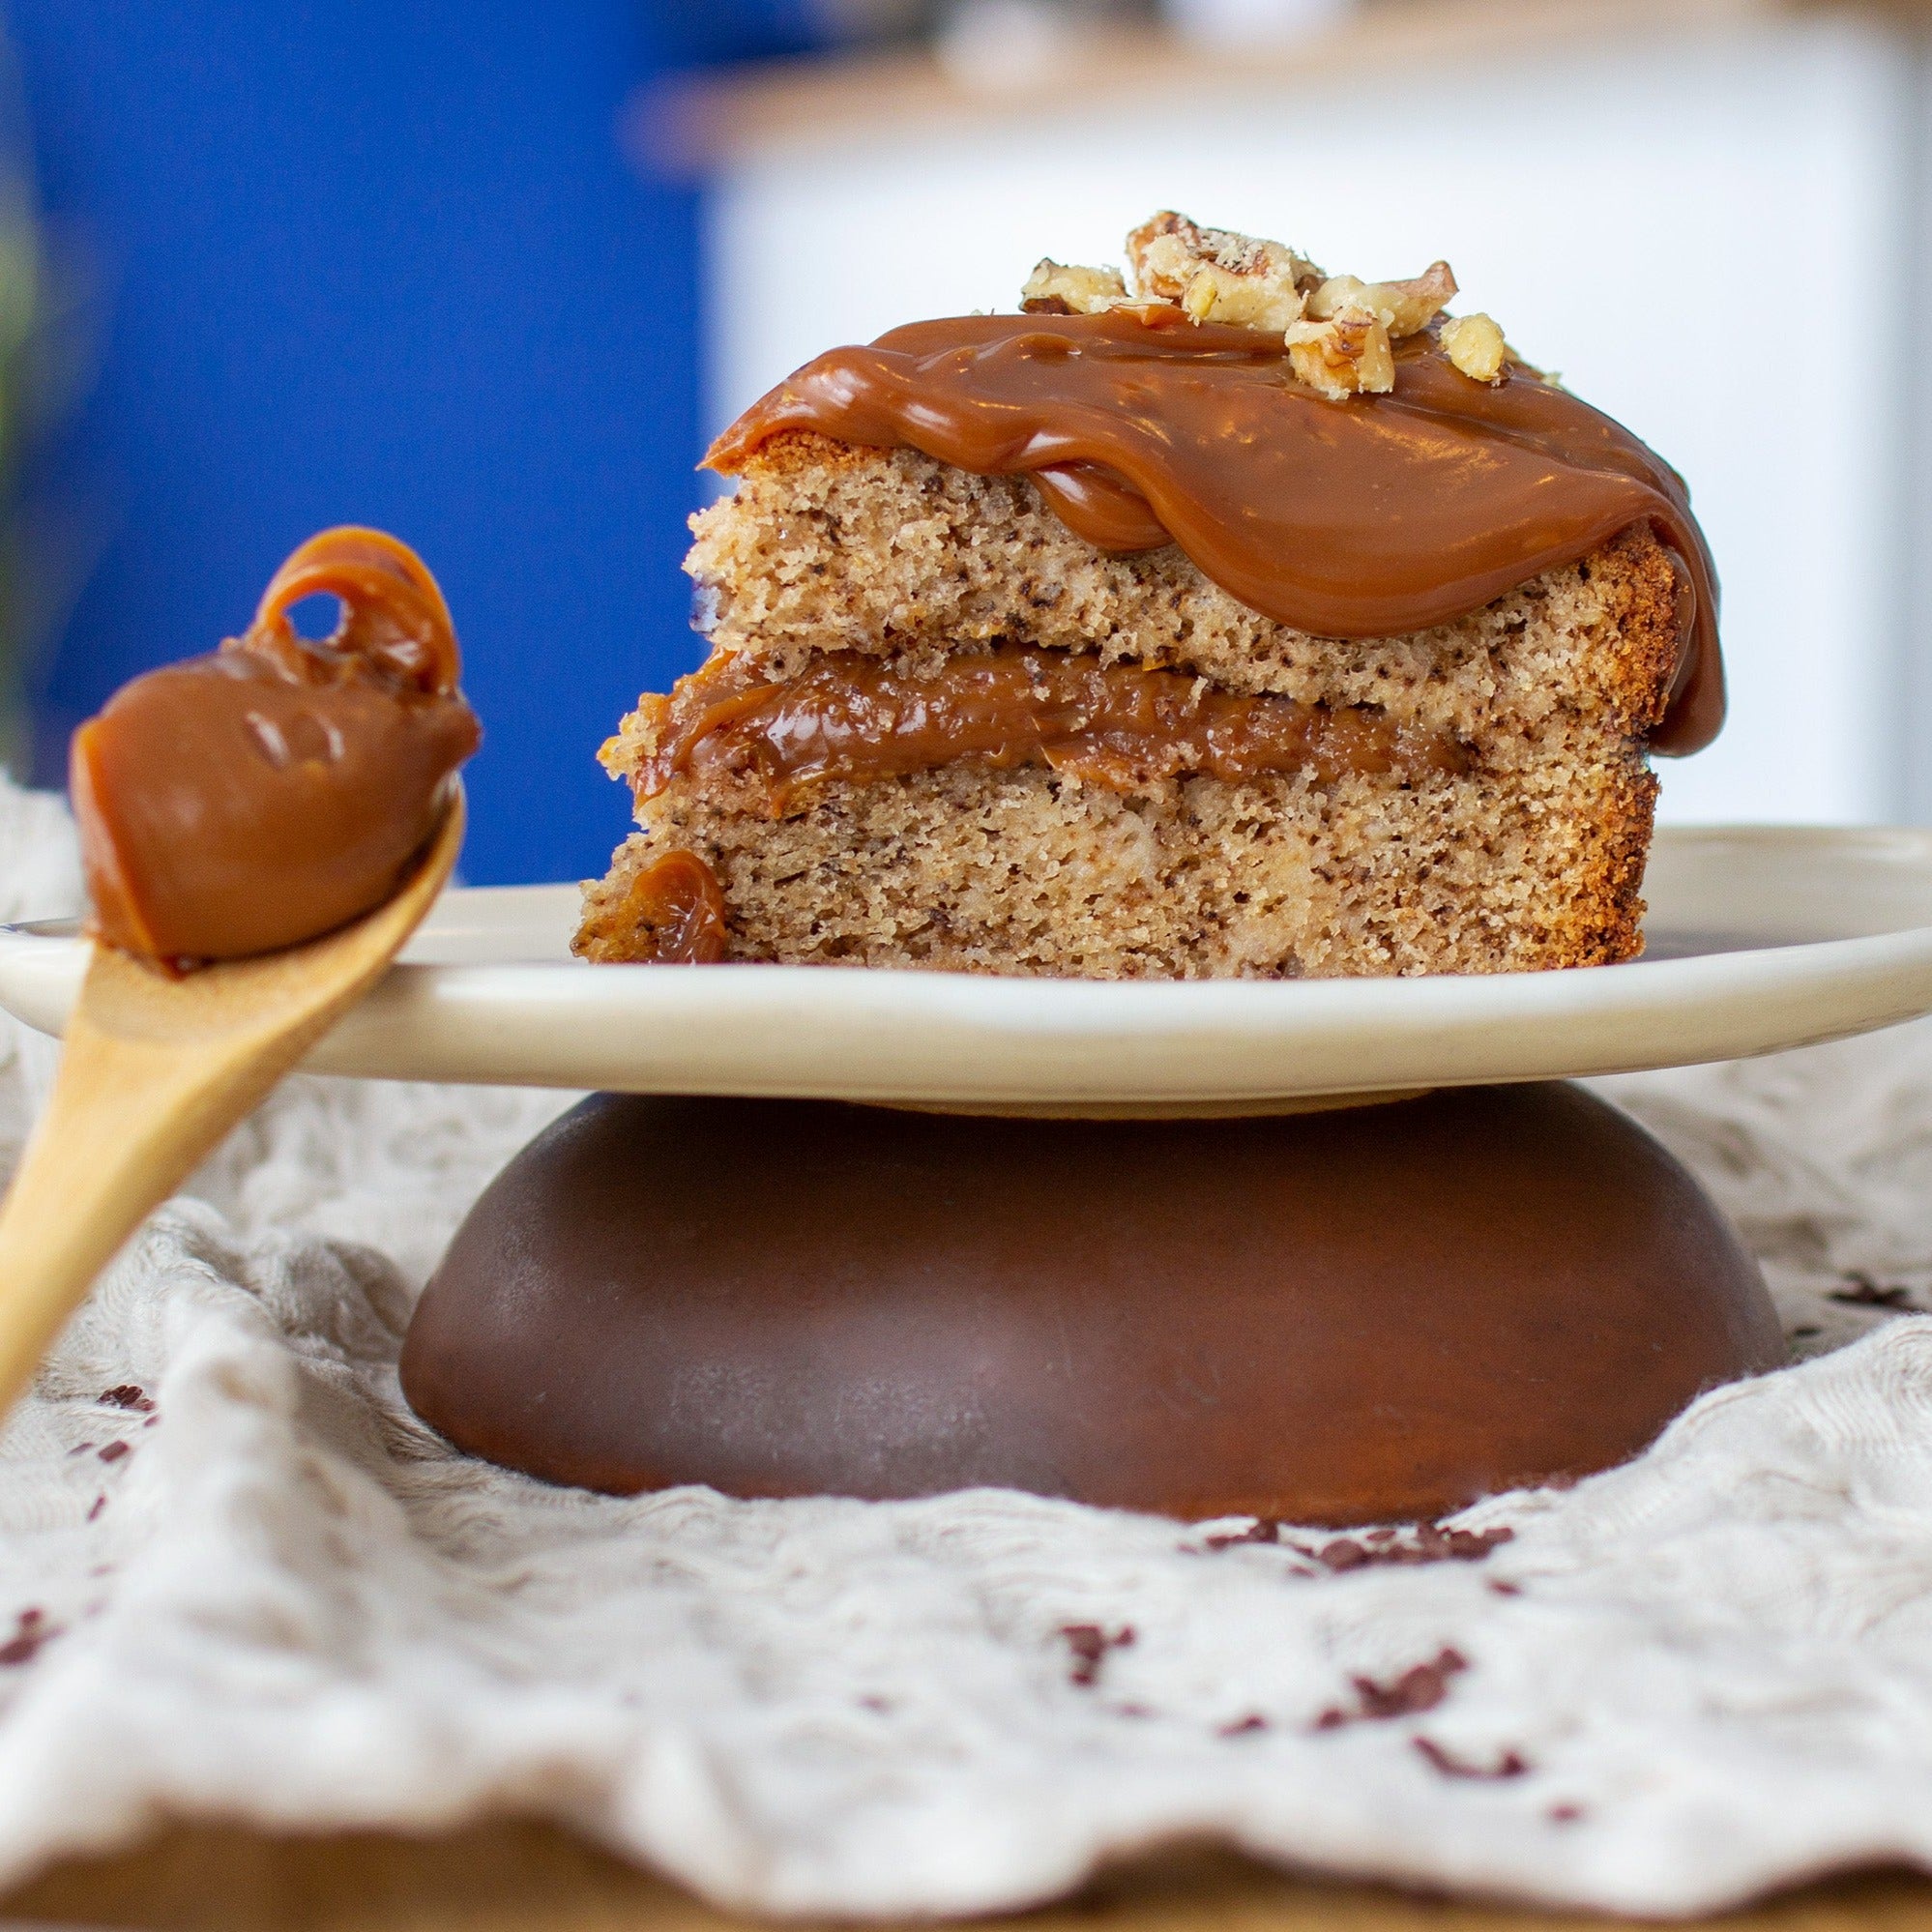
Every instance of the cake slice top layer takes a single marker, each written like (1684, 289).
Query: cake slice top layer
(1335, 454)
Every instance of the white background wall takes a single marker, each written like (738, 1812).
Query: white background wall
(1709, 238)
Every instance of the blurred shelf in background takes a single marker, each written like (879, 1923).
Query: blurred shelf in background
(1710, 214)
(970, 80)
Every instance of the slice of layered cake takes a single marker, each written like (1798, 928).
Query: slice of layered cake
(1233, 620)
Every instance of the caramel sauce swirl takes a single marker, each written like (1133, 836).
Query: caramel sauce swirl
(849, 716)
(1370, 517)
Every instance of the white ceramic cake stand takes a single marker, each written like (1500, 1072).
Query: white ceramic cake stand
(1760, 938)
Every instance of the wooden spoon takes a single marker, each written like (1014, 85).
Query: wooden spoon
(153, 1073)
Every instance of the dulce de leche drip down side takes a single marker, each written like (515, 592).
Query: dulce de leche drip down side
(672, 914)
(281, 787)
(1368, 518)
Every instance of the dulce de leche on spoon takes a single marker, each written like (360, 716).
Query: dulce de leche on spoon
(278, 815)
(276, 788)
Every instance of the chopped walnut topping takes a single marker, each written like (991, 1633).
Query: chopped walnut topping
(1474, 345)
(1055, 289)
(1339, 331)
(1347, 352)
(1219, 276)
(1402, 308)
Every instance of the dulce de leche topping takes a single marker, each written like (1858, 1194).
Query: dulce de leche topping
(279, 787)
(849, 716)
(1368, 516)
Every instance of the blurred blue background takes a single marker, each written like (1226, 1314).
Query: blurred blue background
(385, 264)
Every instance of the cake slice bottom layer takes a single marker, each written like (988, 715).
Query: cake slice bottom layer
(969, 866)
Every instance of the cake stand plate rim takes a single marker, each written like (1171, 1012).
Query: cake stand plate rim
(1786, 936)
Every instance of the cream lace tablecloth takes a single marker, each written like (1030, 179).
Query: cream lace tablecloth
(237, 1579)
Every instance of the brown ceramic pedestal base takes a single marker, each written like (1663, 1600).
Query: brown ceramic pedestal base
(1370, 1315)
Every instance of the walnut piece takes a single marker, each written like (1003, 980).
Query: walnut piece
(1474, 345)
(1217, 276)
(1343, 353)
(1340, 332)
(1055, 289)
(1402, 308)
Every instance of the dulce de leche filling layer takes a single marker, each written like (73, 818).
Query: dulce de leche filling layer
(1373, 516)
(849, 716)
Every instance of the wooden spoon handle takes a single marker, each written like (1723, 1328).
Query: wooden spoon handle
(128, 1122)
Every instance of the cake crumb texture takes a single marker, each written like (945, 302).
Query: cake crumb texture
(1531, 858)
(830, 546)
